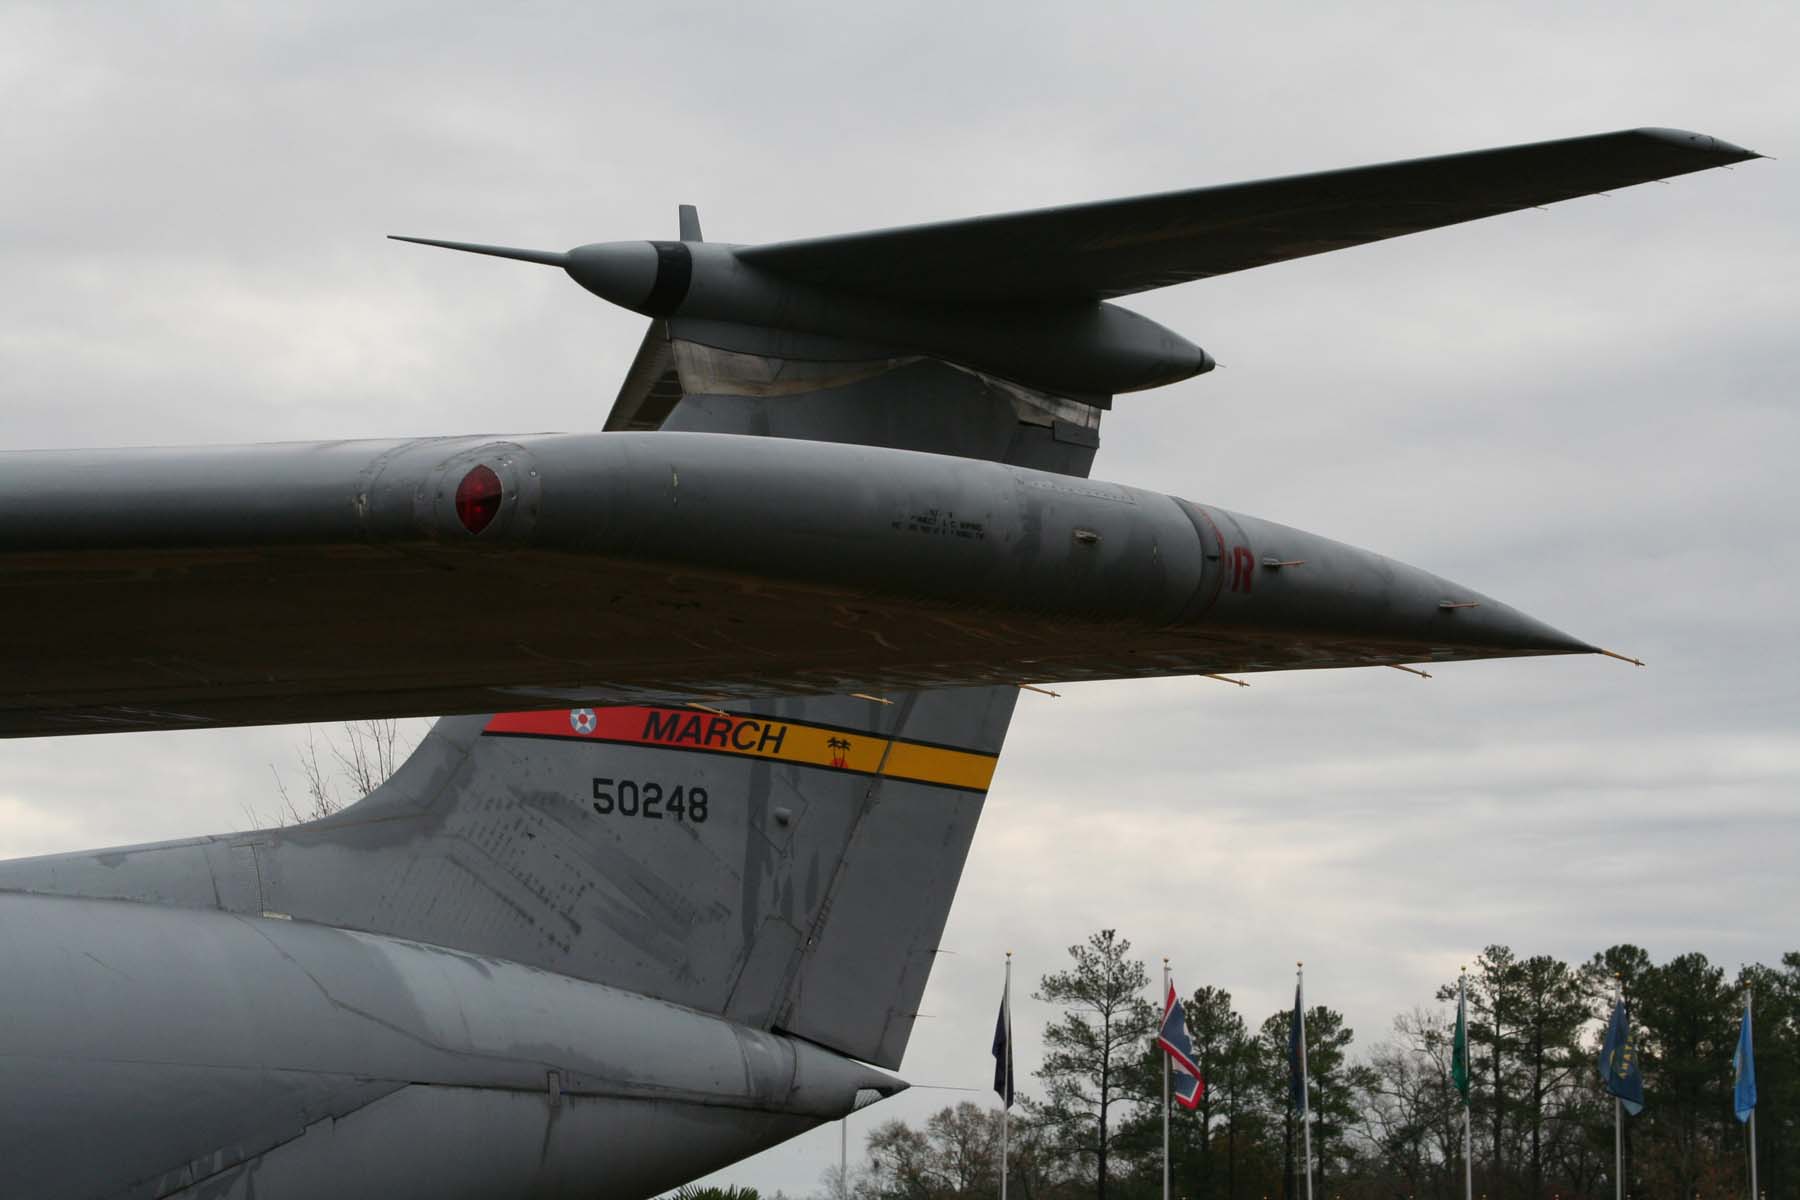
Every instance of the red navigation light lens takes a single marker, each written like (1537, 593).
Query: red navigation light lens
(478, 499)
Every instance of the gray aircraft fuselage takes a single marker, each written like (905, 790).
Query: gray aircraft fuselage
(150, 1050)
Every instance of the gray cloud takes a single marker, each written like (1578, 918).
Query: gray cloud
(1587, 411)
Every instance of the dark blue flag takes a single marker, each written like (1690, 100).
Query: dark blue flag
(1003, 1065)
(1619, 1072)
(1296, 1071)
(1744, 1099)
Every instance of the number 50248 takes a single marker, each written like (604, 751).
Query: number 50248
(647, 798)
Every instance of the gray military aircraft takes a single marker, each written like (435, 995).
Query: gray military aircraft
(741, 667)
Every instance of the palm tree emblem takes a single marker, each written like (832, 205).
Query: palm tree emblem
(839, 747)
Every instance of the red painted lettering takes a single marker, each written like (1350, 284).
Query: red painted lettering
(1242, 566)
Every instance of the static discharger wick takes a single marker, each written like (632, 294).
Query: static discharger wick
(866, 696)
(1227, 679)
(1042, 691)
(1411, 670)
(1636, 662)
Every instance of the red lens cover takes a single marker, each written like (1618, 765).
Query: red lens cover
(478, 499)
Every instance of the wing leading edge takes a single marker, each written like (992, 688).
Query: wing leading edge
(241, 585)
(1118, 247)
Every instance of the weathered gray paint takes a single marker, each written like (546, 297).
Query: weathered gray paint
(304, 581)
(777, 911)
(147, 1048)
(468, 984)
(1020, 294)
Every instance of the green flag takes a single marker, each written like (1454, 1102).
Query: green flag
(1459, 1054)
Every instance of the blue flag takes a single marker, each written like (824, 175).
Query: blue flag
(1003, 1056)
(1184, 1077)
(1619, 1072)
(1745, 1062)
(1296, 1072)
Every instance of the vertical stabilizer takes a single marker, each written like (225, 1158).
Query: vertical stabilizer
(789, 865)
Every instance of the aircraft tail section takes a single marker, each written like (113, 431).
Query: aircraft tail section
(789, 865)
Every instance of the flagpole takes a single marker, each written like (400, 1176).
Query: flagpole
(1005, 1101)
(1165, 1106)
(1462, 1002)
(1619, 1116)
(1305, 1081)
(1468, 1155)
(1753, 1195)
(1753, 1192)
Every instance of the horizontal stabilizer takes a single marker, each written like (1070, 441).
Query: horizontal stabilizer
(1118, 247)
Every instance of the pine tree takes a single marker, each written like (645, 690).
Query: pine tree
(1219, 1037)
(1220, 1042)
(1089, 1049)
(1685, 1013)
(1493, 1048)
(1551, 1012)
(1777, 992)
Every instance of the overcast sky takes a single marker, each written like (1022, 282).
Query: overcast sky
(1587, 412)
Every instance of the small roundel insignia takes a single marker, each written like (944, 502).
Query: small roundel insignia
(581, 720)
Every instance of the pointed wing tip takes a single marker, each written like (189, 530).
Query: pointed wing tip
(1717, 148)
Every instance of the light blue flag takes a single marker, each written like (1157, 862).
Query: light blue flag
(1745, 1062)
